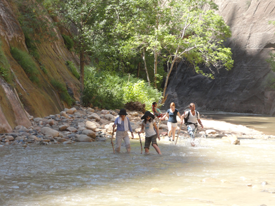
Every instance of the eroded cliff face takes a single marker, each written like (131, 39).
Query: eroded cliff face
(245, 87)
(25, 96)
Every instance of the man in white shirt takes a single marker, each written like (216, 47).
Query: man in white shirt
(192, 118)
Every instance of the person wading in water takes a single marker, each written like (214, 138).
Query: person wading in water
(151, 132)
(192, 118)
(123, 126)
(172, 113)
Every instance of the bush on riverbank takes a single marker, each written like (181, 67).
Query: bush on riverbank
(110, 90)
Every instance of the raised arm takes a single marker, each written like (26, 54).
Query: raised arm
(163, 118)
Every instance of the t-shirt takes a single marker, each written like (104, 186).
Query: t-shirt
(192, 118)
(120, 127)
(172, 115)
(149, 128)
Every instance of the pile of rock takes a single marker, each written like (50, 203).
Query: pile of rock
(78, 124)
(135, 106)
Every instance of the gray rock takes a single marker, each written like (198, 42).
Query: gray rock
(89, 133)
(83, 138)
(63, 127)
(49, 131)
(94, 116)
(71, 111)
(91, 125)
(71, 129)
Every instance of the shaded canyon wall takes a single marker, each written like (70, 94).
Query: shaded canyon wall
(245, 87)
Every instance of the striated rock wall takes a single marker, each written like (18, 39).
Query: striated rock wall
(245, 87)
(25, 96)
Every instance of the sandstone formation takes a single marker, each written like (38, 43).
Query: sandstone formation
(37, 99)
(246, 87)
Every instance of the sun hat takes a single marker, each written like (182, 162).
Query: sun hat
(122, 112)
(146, 114)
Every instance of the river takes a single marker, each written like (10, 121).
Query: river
(213, 173)
(258, 122)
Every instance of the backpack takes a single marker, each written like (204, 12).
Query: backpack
(186, 118)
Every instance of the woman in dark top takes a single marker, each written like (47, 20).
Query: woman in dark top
(172, 113)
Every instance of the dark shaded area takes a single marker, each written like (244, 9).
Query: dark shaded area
(244, 88)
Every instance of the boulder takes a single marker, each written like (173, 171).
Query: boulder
(109, 128)
(109, 117)
(105, 111)
(50, 132)
(71, 111)
(63, 127)
(64, 114)
(91, 125)
(83, 138)
(89, 133)
(94, 116)
(51, 122)
(10, 138)
(71, 129)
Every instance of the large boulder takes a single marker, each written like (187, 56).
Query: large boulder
(83, 138)
(49, 132)
(89, 133)
(94, 116)
(91, 125)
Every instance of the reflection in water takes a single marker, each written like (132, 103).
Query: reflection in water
(213, 173)
(264, 124)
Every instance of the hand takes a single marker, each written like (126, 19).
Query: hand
(158, 137)
(202, 126)
(132, 135)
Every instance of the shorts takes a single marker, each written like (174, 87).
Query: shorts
(148, 140)
(170, 125)
(122, 135)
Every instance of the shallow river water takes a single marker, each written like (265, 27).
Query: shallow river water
(212, 173)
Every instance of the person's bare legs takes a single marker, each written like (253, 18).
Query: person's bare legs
(174, 132)
(156, 148)
(146, 151)
(129, 149)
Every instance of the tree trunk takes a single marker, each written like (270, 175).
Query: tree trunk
(166, 81)
(145, 65)
(155, 68)
(81, 72)
(138, 70)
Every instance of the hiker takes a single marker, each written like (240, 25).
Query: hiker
(123, 126)
(151, 132)
(191, 120)
(172, 113)
(156, 111)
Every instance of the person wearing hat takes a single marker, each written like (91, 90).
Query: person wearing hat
(151, 132)
(123, 126)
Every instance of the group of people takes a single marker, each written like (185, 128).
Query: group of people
(122, 125)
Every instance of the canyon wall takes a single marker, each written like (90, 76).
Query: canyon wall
(245, 88)
(24, 97)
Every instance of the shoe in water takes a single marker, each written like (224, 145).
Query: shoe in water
(169, 139)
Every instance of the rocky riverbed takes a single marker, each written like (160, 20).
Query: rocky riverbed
(81, 124)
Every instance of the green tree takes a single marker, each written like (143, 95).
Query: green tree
(88, 17)
(180, 30)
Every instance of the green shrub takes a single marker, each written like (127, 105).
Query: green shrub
(62, 91)
(109, 90)
(26, 62)
(44, 70)
(73, 69)
(31, 46)
(68, 42)
(5, 71)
